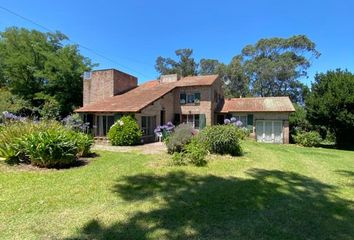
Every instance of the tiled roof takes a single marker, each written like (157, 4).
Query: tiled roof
(258, 104)
(145, 94)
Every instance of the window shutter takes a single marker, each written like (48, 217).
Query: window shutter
(202, 121)
(250, 119)
(197, 95)
(182, 98)
(177, 119)
(250, 122)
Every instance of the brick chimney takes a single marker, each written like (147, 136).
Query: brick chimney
(101, 84)
(169, 78)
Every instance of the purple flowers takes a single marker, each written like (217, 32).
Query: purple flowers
(75, 122)
(12, 117)
(227, 121)
(233, 121)
(167, 127)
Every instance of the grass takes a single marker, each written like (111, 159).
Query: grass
(273, 192)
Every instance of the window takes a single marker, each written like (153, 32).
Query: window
(148, 125)
(182, 98)
(190, 98)
(191, 119)
(103, 124)
(243, 119)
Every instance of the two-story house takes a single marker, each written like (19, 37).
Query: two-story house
(198, 100)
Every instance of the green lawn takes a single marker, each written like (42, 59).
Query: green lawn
(273, 192)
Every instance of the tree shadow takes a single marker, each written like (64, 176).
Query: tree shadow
(270, 204)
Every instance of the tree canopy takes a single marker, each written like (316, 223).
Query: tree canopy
(40, 68)
(185, 66)
(331, 104)
(270, 67)
(275, 65)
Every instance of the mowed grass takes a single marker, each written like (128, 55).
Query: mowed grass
(273, 192)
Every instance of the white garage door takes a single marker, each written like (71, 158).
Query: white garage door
(269, 131)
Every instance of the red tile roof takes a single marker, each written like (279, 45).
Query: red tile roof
(145, 94)
(258, 104)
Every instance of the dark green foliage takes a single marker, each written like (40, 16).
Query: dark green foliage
(12, 103)
(270, 67)
(51, 148)
(195, 152)
(179, 159)
(12, 134)
(222, 139)
(34, 62)
(308, 139)
(125, 132)
(45, 144)
(298, 121)
(83, 142)
(186, 66)
(331, 104)
(274, 66)
(181, 136)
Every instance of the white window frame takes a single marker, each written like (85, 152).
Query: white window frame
(191, 119)
(272, 131)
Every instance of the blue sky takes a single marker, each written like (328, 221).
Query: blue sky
(135, 33)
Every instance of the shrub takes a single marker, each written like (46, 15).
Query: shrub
(222, 139)
(75, 123)
(83, 142)
(25, 141)
(179, 159)
(196, 152)
(51, 148)
(179, 138)
(13, 132)
(307, 139)
(125, 132)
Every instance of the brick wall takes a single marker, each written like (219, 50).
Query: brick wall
(106, 83)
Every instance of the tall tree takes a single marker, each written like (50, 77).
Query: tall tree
(331, 104)
(236, 81)
(35, 64)
(185, 66)
(209, 66)
(275, 66)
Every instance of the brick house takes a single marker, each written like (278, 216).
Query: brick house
(198, 100)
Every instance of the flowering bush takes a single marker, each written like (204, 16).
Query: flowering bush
(75, 122)
(12, 117)
(125, 132)
(181, 136)
(165, 130)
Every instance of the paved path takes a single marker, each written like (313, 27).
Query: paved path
(150, 148)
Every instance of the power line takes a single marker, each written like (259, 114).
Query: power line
(80, 45)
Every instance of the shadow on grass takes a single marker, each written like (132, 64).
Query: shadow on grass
(268, 205)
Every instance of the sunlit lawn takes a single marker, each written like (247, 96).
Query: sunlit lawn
(273, 192)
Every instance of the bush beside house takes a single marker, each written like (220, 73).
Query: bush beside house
(189, 146)
(125, 132)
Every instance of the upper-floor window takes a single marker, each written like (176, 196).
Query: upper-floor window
(189, 98)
